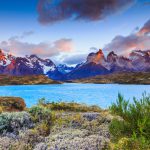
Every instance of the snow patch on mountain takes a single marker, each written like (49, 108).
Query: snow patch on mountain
(64, 69)
(46, 69)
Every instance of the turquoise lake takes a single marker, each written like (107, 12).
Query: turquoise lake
(92, 94)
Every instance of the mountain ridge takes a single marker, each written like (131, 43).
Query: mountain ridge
(138, 61)
(28, 65)
(96, 64)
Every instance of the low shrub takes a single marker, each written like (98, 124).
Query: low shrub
(12, 104)
(1, 109)
(119, 129)
(43, 129)
(43, 117)
(40, 113)
(126, 143)
(72, 106)
(68, 106)
(31, 137)
(136, 120)
(13, 122)
(20, 145)
(42, 102)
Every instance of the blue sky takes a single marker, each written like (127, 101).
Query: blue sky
(20, 16)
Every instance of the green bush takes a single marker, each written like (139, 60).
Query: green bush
(42, 102)
(131, 144)
(72, 106)
(136, 119)
(119, 129)
(40, 113)
(68, 106)
(43, 117)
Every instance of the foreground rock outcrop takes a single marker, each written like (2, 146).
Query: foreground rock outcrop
(77, 133)
(49, 127)
(73, 126)
(10, 104)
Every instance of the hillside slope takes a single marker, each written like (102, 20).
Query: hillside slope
(26, 80)
(120, 78)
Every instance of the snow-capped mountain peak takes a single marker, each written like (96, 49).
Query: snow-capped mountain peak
(96, 64)
(28, 65)
(5, 58)
(64, 69)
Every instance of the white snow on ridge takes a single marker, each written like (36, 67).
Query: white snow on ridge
(46, 69)
(6, 61)
(29, 63)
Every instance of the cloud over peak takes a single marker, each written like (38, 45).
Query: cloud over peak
(43, 49)
(51, 11)
(125, 44)
(145, 29)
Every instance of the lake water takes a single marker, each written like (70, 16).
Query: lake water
(91, 94)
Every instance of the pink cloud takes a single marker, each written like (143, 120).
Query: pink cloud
(65, 45)
(43, 49)
(145, 29)
(123, 45)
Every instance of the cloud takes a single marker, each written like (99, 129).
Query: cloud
(125, 44)
(51, 11)
(93, 49)
(145, 29)
(74, 59)
(65, 45)
(26, 34)
(43, 49)
(22, 36)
